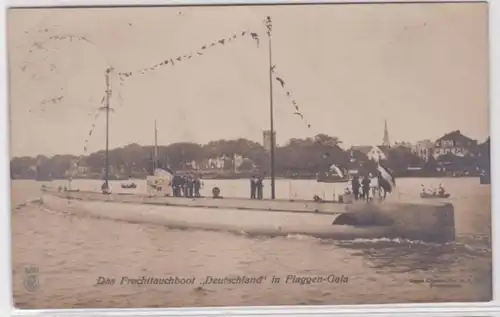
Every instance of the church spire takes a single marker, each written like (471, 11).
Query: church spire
(386, 142)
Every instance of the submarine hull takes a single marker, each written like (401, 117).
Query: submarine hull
(429, 222)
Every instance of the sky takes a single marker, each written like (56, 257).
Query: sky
(421, 67)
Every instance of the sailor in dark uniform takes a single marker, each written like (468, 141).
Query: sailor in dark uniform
(197, 186)
(355, 187)
(185, 186)
(260, 187)
(366, 187)
(253, 187)
(176, 185)
(189, 186)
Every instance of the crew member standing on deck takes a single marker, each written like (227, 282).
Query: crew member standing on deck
(190, 185)
(361, 193)
(185, 186)
(441, 190)
(180, 185)
(355, 187)
(197, 186)
(175, 186)
(366, 187)
(253, 187)
(381, 185)
(260, 187)
(374, 185)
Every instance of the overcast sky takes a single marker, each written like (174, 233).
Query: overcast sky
(421, 67)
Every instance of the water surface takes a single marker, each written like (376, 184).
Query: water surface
(72, 252)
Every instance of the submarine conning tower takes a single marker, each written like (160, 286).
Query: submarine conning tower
(429, 221)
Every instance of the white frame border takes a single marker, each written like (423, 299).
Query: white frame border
(449, 309)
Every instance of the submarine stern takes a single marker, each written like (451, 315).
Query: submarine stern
(430, 222)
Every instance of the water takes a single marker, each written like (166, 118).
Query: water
(71, 253)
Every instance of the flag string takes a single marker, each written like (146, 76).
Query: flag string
(123, 76)
(94, 123)
(296, 108)
(298, 112)
(202, 50)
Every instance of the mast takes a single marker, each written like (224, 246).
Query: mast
(165, 161)
(108, 93)
(271, 108)
(155, 151)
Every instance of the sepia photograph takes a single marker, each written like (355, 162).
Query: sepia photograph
(249, 155)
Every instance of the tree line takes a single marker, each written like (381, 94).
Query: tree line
(298, 157)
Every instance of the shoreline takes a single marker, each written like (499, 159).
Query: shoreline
(236, 178)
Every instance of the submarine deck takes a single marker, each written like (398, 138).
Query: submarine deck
(278, 205)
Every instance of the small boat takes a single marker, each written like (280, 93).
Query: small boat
(434, 195)
(330, 179)
(334, 175)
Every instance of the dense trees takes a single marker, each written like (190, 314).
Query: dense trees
(400, 158)
(306, 156)
(311, 154)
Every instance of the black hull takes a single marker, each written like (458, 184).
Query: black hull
(485, 179)
(431, 196)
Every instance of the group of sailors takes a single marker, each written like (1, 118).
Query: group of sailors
(256, 187)
(368, 187)
(187, 185)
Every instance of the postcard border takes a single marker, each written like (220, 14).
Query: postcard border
(449, 309)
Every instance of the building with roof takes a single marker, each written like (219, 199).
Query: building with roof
(423, 149)
(454, 143)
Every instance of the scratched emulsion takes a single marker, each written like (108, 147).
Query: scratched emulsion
(202, 78)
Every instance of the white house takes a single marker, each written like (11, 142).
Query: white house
(423, 149)
(216, 163)
(454, 143)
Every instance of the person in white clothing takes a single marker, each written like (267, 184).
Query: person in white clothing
(374, 186)
(441, 190)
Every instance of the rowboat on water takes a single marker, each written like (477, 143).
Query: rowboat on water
(333, 175)
(434, 195)
(326, 178)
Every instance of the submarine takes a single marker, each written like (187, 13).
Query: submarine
(428, 221)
